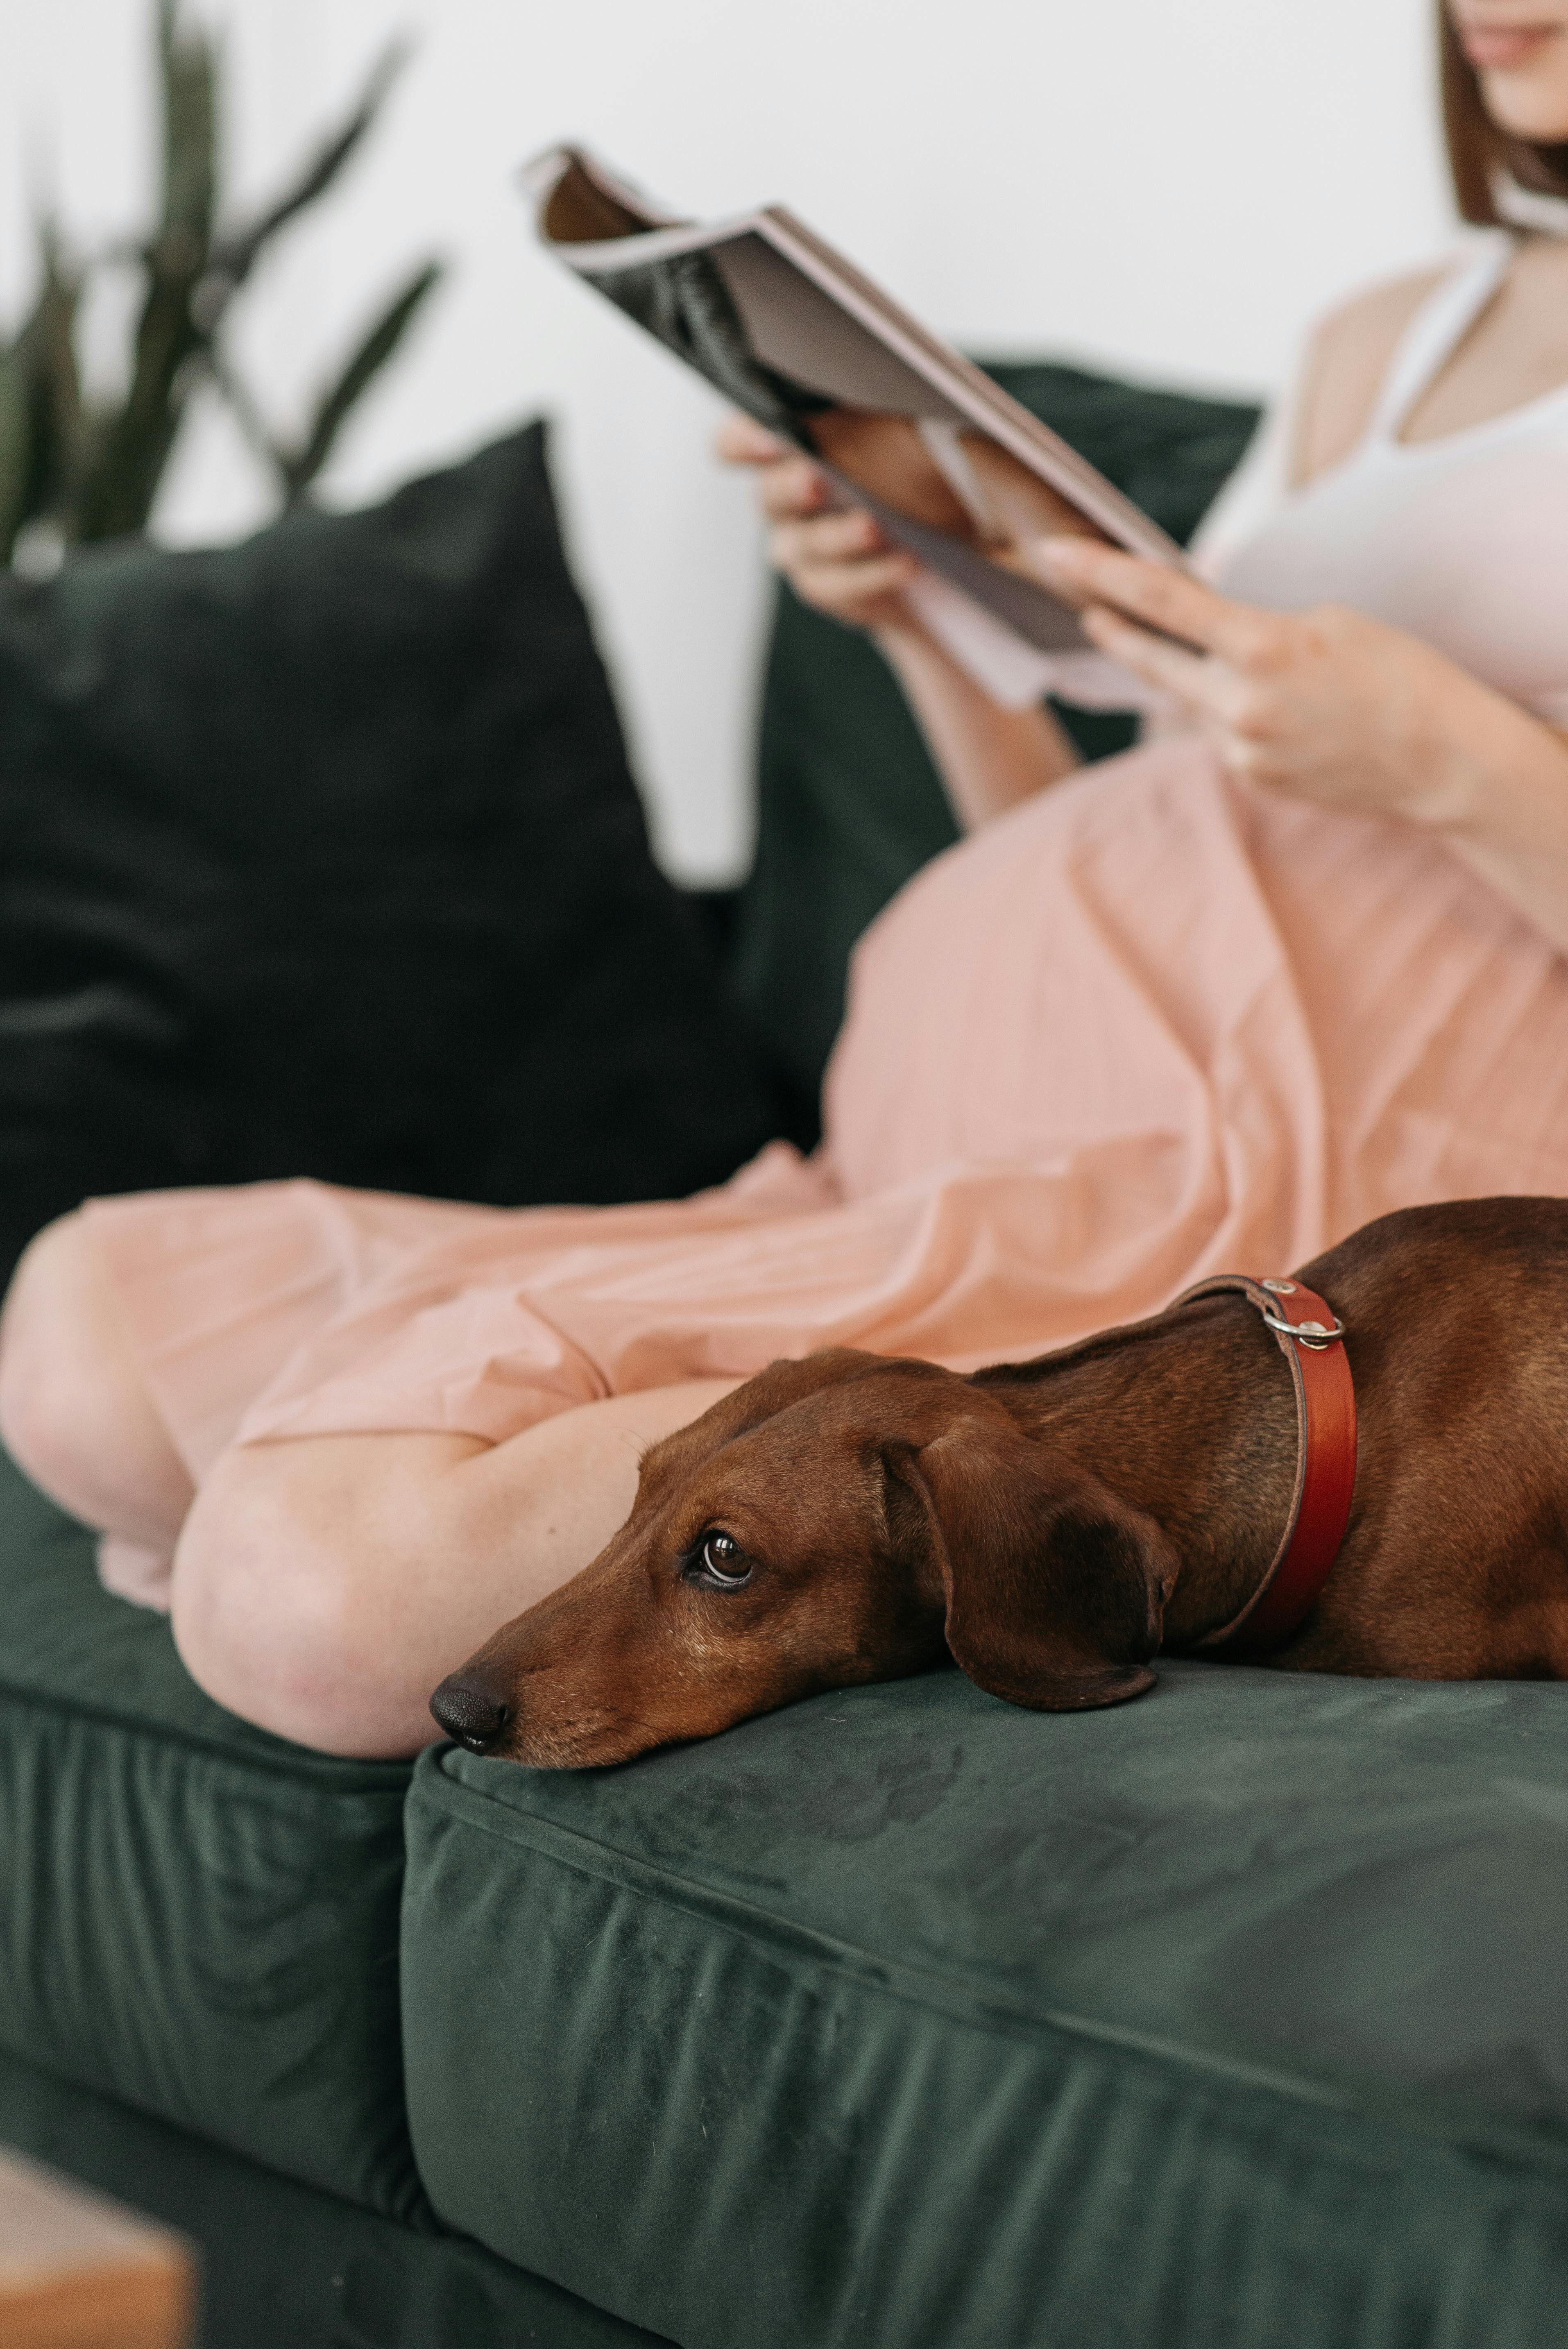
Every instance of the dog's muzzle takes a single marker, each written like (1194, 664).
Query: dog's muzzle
(469, 1712)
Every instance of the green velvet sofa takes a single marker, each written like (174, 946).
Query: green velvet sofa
(900, 2019)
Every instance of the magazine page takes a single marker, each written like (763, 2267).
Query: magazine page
(951, 467)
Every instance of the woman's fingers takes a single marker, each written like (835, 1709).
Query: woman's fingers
(1161, 596)
(1208, 685)
(793, 486)
(854, 592)
(787, 483)
(826, 538)
(1189, 675)
(841, 564)
(740, 441)
(834, 557)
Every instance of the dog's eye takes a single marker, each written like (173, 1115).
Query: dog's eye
(722, 1561)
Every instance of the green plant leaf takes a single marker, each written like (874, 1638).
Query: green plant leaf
(98, 469)
(15, 448)
(235, 252)
(364, 365)
(51, 337)
(188, 75)
(41, 419)
(124, 456)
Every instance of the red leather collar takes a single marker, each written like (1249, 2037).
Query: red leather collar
(1309, 1337)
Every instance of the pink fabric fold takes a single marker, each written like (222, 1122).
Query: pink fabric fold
(1149, 1026)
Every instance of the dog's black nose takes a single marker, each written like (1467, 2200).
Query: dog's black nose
(469, 1712)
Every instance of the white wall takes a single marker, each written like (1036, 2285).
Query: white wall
(1168, 189)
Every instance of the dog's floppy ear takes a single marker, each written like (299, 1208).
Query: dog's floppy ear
(1055, 1587)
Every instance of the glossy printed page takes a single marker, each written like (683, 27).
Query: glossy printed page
(793, 334)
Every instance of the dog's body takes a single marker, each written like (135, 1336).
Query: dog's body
(1056, 1521)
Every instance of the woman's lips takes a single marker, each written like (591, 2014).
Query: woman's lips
(1497, 49)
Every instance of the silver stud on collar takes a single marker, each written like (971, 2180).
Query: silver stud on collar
(1315, 1334)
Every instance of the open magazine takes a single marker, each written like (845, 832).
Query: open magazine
(952, 467)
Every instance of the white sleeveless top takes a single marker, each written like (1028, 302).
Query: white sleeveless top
(1462, 541)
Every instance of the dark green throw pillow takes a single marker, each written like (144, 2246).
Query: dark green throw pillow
(321, 855)
(849, 802)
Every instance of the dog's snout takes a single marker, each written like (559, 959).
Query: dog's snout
(469, 1712)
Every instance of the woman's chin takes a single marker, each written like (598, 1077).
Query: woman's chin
(1531, 103)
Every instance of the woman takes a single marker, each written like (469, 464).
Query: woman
(1210, 1005)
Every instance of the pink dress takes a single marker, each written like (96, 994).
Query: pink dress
(1150, 1025)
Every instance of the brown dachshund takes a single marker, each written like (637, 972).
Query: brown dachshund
(1053, 1524)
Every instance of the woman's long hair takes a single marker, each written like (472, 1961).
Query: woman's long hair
(1480, 152)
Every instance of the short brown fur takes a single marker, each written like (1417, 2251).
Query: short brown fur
(1053, 1524)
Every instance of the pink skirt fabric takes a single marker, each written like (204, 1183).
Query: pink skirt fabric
(1149, 1026)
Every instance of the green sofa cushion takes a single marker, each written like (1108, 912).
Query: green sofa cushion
(284, 2266)
(907, 2019)
(199, 1920)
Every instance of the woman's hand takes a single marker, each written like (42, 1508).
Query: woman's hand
(989, 758)
(1324, 705)
(834, 557)
(1331, 706)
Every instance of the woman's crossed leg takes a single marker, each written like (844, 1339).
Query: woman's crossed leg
(320, 1586)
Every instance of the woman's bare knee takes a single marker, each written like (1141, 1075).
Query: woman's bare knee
(75, 1410)
(303, 1582)
(28, 1323)
(324, 1586)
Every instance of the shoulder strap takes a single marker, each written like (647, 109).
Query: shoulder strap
(1436, 331)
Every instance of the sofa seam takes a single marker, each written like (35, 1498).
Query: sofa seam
(313, 1774)
(1494, 2143)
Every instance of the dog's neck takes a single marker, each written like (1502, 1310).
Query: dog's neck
(1191, 1418)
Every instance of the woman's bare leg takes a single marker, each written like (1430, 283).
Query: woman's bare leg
(323, 1585)
(75, 1410)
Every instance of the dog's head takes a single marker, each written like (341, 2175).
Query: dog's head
(834, 1520)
